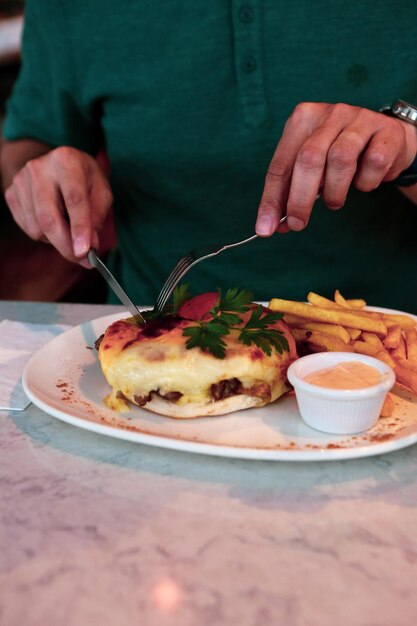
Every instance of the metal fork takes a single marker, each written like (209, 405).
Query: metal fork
(187, 262)
(194, 257)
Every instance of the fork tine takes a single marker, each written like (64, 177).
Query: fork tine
(168, 289)
(183, 264)
(179, 270)
(174, 273)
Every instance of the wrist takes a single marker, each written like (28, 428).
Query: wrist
(411, 142)
(408, 176)
(406, 114)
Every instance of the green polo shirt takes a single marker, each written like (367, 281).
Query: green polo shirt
(189, 99)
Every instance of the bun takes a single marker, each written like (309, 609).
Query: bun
(204, 409)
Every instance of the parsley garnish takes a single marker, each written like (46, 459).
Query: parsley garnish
(208, 335)
(180, 295)
(256, 331)
(235, 300)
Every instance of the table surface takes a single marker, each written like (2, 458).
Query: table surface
(100, 531)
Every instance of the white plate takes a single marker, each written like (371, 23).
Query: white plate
(64, 379)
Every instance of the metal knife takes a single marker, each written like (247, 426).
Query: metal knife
(96, 262)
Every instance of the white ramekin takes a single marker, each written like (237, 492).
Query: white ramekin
(338, 411)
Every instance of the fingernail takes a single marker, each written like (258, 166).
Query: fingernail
(294, 223)
(80, 246)
(264, 225)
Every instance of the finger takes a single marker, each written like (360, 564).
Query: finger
(47, 204)
(274, 197)
(101, 200)
(377, 160)
(23, 191)
(342, 163)
(283, 226)
(13, 202)
(310, 165)
(73, 182)
(19, 199)
(277, 182)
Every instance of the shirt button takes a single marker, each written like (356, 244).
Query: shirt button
(246, 14)
(249, 65)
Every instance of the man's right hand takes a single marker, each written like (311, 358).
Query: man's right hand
(63, 198)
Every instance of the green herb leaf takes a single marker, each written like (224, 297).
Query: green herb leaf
(151, 314)
(181, 294)
(257, 321)
(265, 339)
(237, 300)
(256, 331)
(229, 319)
(207, 336)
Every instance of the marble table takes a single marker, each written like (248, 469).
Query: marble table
(100, 531)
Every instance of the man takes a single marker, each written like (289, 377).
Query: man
(197, 107)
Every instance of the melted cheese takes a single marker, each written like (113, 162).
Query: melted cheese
(138, 365)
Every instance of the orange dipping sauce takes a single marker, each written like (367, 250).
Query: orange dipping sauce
(346, 375)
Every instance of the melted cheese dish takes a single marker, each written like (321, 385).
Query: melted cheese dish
(150, 366)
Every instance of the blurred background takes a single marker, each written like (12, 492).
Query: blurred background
(32, 270)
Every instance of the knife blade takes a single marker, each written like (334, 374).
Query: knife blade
(96, 262)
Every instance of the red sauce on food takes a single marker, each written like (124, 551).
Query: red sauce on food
(158, 327)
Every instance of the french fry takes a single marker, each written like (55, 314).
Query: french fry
(390, 323)
(327, 343)
(339, 299)
(354, 332)
(294, 320)
(406, 364)
(321, 301)
(345, 334)
(375, 315)
(384, 355)
(333, 316)
(356, 303)
(329, 329)
(405, 321)
(388, 406)
(400, 351)
(411, 344)
(364, 347)
(392, 340)
(406, 377)
(389, 319)
(373, 339)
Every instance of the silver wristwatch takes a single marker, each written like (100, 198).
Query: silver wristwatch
(403, 110)
(407, 113)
